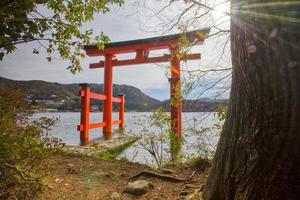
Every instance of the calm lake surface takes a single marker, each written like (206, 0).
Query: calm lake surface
(66, 129)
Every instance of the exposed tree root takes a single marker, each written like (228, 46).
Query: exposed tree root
(159, 176)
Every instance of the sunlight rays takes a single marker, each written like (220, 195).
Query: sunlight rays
(274, 12)
(247, 9)
(272, 4)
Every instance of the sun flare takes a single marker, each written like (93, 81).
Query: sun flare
(222, 9)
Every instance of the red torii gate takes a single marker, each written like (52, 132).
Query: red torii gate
(141, 47)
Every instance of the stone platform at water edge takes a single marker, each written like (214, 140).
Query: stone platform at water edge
(100, 146)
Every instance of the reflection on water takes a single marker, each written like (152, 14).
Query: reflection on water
(66, 129)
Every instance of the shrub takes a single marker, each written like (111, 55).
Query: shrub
(22, 147)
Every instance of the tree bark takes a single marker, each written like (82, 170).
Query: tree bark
(258, 154)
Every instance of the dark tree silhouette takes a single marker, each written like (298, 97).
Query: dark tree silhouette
(258, 155)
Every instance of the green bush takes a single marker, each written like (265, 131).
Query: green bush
(22, 147)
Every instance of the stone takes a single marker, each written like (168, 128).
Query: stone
(115, 196)
(196, 195)
(167, 171)
(138, 187)
(72, 170)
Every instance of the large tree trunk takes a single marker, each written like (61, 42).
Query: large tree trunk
(258, 155)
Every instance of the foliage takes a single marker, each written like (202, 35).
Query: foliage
(56, 21)
(159, 141)
(183, 45)
(207, 136)
(157, 138)
(22, 147)
(181, 49)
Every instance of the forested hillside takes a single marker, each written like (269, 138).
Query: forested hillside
(64, 97)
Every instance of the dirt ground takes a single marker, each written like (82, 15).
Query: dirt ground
(85, 178)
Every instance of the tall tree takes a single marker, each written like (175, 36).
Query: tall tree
(258, 155)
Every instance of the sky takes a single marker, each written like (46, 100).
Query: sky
(128, 22)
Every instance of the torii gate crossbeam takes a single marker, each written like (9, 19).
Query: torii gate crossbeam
(142, 47)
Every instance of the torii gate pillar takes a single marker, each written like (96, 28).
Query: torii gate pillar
(175, 94)
(108, 92)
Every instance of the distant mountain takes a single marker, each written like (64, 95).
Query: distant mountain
(65, 97)
(198, 105)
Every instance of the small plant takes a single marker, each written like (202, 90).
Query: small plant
(95, 145)
(158, 139)
(207, 136)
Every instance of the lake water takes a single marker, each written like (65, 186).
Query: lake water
(135, 122)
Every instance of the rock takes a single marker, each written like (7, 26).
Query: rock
(196, 195)
(138, 187)
(167, 171)
(71, 170)
(115, 196)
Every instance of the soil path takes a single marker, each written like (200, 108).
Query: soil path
(85, 178)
